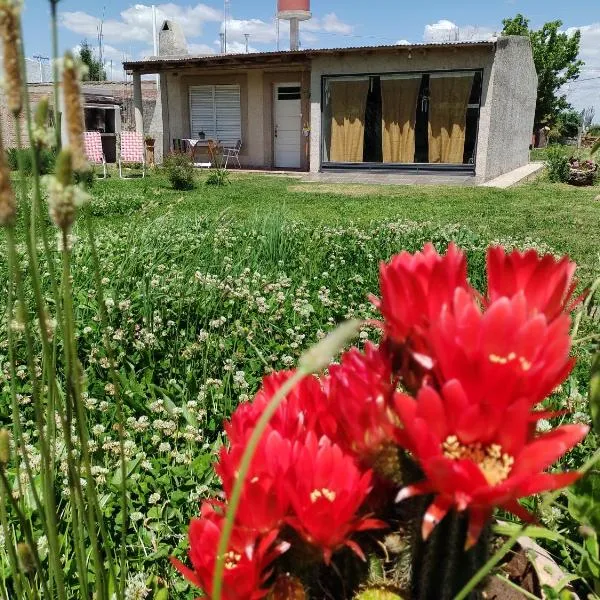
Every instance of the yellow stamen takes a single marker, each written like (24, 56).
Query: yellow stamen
(232, 559)
(322, 493)
(510, 357)
(493, 463)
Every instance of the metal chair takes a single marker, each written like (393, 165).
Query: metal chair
(132, 151)
(233, 153)
(94, 154)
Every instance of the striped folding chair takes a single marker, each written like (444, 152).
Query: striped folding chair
(132, 151)
(93, 150)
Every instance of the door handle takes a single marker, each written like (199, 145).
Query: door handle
(275, 130)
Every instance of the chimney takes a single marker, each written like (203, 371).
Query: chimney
(171, 40)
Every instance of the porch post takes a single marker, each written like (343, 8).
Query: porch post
(138, 109)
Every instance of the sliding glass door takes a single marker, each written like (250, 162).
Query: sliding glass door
(401, 119)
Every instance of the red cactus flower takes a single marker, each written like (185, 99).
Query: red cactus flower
(470, 465)
(304, 409)
(246, 562)
(327, 490)
(415, 287)
(264, 503)
(547, 282)
(360, 392)
(500, 355)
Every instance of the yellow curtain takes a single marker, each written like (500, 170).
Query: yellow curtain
(448, 100)
(348, 106)
(399, 113)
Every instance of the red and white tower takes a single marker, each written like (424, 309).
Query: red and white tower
(294, 11)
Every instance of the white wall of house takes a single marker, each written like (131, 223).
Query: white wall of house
(507, 103)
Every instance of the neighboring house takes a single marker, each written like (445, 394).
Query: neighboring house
(465, 107)
(108, 108)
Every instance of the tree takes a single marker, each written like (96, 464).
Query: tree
(556, 61)
(96, 70)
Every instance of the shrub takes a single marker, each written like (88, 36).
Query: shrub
(218, 176)
(47, 160)
(557, 164)
(180, 171)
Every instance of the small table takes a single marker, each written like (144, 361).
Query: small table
(196, 144)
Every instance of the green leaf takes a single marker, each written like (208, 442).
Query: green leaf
(583, 500)
(117, 479)
(594, 394)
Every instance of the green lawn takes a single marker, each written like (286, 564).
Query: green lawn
(208, 289)
(562, 216)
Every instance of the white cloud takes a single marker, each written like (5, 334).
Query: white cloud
(447, 31)
(330, 23)
(200, 49)
(587, 93)
(262, 32)
(135, 22)
(402, 43)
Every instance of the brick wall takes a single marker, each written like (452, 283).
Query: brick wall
(121, 92)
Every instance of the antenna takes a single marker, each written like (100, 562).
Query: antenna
(100, 41)
(155, 40)
(40, 58)
(225, 19)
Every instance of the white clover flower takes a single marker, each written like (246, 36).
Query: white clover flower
(154, 498)
(136, 588)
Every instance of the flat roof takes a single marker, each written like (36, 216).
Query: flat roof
(154, 64)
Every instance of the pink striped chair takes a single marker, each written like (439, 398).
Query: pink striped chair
(132, 151)
(93, 150)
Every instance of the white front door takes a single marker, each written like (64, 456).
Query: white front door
(288, 125)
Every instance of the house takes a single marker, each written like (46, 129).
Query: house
(463, 107)
(107, 108)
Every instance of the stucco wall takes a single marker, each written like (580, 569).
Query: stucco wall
(513, 93)
(256, 98)
(399, 59)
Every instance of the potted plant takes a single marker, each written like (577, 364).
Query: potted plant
(582, 172)
(150, 141)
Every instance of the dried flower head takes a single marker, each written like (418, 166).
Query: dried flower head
(42, 135)
(9, 33)
(4, 446)
(74, 111)
(63, 195)
(26, 557)
(8, 205)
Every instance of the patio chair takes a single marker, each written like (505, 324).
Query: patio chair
(132, 151)
(233, 153)
(93, 150)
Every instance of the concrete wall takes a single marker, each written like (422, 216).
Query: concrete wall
(399, 59)
(513, 93)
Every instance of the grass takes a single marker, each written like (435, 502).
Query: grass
(560, 215)
(210, 288)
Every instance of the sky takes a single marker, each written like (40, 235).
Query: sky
(127, 27)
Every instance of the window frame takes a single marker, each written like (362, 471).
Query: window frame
(461, 168)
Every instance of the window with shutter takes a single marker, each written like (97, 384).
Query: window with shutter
(215, 110)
